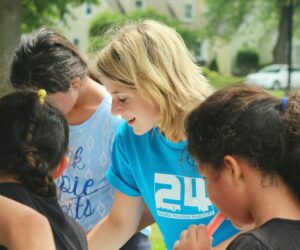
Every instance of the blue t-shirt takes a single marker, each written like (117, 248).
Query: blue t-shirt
(163, 173)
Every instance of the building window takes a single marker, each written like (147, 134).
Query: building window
(198, 51)
(76, 42)
(188, 12)
(88, 10)
(139, 4)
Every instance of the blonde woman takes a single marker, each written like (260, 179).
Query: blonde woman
(154, 84)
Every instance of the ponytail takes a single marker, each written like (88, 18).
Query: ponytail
(290, 166)
(33, 140)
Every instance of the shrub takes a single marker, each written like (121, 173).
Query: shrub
(214, 65)
(219, 81)
(247, 61)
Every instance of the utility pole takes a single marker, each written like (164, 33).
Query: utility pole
(289, 52)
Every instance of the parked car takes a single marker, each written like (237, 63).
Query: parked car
(275, 76)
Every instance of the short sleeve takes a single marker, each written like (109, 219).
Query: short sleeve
(120, 173)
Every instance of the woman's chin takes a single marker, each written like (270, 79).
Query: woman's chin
(139, 131)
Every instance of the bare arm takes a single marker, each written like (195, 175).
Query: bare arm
(146, 219)
(119, 225)
(22, 228)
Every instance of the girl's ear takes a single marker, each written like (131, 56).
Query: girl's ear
(76, 83)
(62, 165)
(234, 168)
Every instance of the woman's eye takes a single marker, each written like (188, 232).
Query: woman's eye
(122, 99)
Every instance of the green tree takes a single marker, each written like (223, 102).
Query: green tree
(224, 17)
(18, 16)
(99, 25)
(106, 20)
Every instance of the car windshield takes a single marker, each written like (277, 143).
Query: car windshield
(295, 69)
(272, 69)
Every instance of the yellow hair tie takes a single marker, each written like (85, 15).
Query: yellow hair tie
(42, 94)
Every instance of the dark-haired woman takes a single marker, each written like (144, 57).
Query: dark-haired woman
(248, 149)
(33, 143)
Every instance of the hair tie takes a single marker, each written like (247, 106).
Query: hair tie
(284, 103)
(42, 94)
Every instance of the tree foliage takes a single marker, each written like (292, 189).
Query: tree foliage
(225, 17)
(36, 13)
(109, 20)
(18, 16)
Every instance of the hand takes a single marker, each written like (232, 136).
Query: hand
(195, 238)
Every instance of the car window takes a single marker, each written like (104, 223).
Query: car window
(296, 69)
(271, 69)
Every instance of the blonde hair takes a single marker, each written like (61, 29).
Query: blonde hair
(153, 58)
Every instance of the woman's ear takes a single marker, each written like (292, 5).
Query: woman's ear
(62, 165)
(76, 83)
(234, 168)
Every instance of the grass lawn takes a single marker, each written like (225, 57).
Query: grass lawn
(156, 238)
(277, 93)
(219, 81)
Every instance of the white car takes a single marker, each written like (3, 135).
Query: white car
(275, 76)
